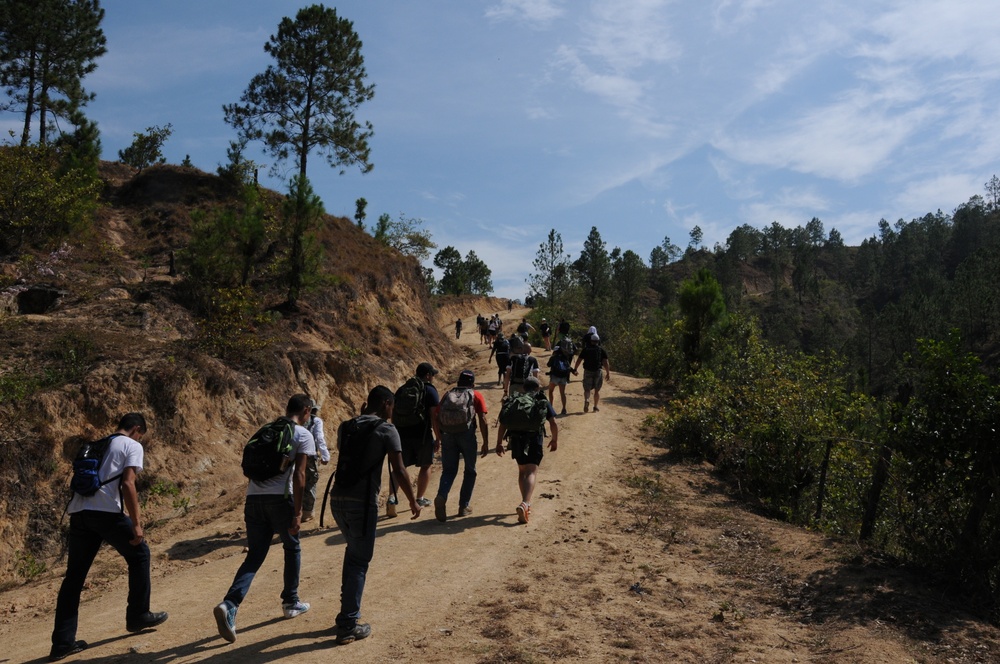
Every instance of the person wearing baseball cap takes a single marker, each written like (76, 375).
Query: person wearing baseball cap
(461, 409)
(419, 436)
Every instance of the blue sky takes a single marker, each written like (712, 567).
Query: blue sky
(498, 120)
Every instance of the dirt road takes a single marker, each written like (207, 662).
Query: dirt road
(615, 565)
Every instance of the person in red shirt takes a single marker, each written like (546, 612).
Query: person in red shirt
(458, 414)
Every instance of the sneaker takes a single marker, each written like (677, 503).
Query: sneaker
(424, 502)
(145, 621)
(586, 406)
(465, 510)
(563, 412)
(390, 507)
(58, 652)
(360, 631)
(596, 409)
(439, 508)
(225, 618)
(523, 512)
(306, 516)
(295, 608)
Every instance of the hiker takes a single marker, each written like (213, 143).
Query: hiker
(458, 328)
(99, 518)
(594, 359)
(559, 371)
(563, 328)
(274, 505)
(460, 408)
(510, 305)
(585, 339)
(363, 443)
(522, 365)
(524, 328)
(322, 456)
(546, 331)
(484, 330)
(492, 327)
(415, 402)
(501, 349)
(526, 440)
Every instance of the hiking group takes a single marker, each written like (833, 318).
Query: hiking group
(407, 427)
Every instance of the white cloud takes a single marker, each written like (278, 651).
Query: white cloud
(536, 12)
(944, 192)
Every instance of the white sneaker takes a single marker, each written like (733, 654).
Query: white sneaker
(293, 609)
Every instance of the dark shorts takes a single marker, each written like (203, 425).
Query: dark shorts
(526, 449)
(417, 452)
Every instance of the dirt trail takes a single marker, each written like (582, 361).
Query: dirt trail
(586, 580)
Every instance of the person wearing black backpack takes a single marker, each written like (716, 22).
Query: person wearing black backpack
(99, 518)
(501, 349)
(364, 442)
(527, 443)
(415, 402)
(559, 371)
(595, 369)
(461, 409)
(523, 365)
(274, 505)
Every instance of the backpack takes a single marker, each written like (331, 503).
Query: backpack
(352, 439)
(567, 346)
(409, 410)
(502, 346)
(86, 479)
(514, 343)
(520, 369)
(560, 364)
(458, 410)
(525, 412)
(266, 453)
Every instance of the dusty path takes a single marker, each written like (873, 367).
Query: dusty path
(616, 565)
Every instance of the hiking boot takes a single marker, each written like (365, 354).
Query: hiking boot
(296, 608)
(306, 516)
(225, 618)
(465, 510)
(58, 652)
(523, 512)
(360, 631)
(586, 406)
(145, 621)
(390, 507)
(596, 409)
(439, 508)
(424, 502)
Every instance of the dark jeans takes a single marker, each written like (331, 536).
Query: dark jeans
(87, 530)
(266, 515)
(358, 527)
(454, 446)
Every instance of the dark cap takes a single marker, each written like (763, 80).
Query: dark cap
(426, 368)
(466, 378)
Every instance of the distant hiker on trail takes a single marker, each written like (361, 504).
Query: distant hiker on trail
(501, 349)
(462, 408)
(96, 516)
(315, 427)
(546, 331)
(559, 370)
(595, 359)
(415, 402)
(277, 456)
(522, 423)
(363, 443)
(458, 328)
(484, 330)
(563, 327)
(510, 305)
(522, 366)
(492, 328)
(524, 328)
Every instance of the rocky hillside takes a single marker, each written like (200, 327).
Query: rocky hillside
(99, 327)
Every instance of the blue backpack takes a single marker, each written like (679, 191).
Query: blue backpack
(86, 479)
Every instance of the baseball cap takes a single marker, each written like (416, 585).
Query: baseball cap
(466, 378)
(426, 368)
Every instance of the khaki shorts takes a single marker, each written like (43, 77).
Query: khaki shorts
(593, 380)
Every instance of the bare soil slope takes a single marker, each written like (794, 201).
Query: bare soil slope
(627, 558)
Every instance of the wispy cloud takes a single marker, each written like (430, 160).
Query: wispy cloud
(534, 12)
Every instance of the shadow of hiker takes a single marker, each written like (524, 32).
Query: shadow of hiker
(431, 526)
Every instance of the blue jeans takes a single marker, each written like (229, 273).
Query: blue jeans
(266, 515)
(453, 447)
(356, 520)
(87, 530)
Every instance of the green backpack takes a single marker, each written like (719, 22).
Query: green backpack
(525, 412)
(266, 453)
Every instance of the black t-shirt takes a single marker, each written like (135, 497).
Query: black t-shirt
(422, 432)
(383, 439)
(593, 357)
(545, 329)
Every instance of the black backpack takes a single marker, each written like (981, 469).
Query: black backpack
(520, 368)
(352, 439)
(86, 479)
(267, 452)
(502, 346)
(409, 410)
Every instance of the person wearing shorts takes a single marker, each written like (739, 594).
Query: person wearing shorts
(527, 449)
(419, 443)
(595, 370)
(559, 371)
(546, 331)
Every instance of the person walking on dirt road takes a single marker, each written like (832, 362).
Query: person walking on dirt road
(99, 518)
(457, 418)
(363, 444)
(527, 448)
(595, 370)
(274, 506)
(413, 418)
(322, 456)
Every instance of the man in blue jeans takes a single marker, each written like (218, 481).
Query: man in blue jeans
(100, 518)
(457, 417)
(363, 444)
(274, 506)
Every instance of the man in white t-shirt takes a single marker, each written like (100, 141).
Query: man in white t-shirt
(315, 426)
(274, 506)
(100, 518)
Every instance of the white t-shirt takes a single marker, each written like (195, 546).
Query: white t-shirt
(123, 452)
(281, 484)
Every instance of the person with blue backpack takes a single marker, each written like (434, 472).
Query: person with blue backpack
(559, 372)
(103, 490)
